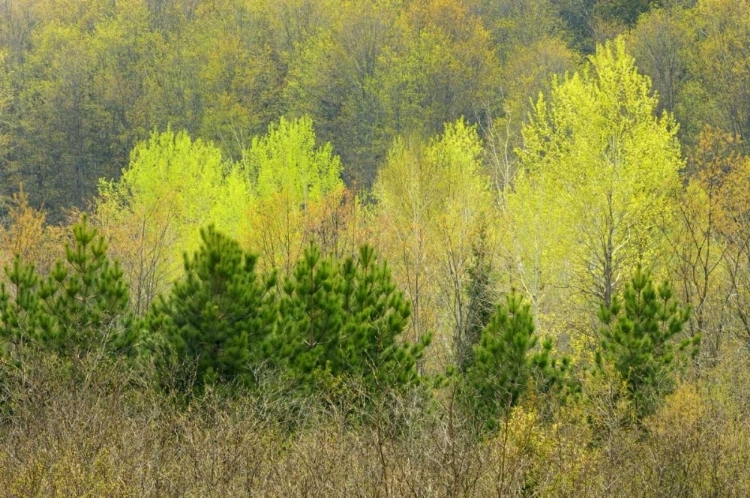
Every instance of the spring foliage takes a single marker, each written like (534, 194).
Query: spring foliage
(598, 172)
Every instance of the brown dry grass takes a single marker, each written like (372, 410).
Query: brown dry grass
(103, 431)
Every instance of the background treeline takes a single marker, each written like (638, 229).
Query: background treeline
(81, 82)
(393, 248)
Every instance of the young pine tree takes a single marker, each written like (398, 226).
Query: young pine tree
(311, 320)
(375, 314)
(19, 306)
(343, 319)
(504, 363)
(79, 309)
(85, 299)
(637, 339)
(217, 317)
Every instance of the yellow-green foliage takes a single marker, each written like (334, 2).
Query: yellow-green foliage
(291, 181)
(175, 185)
(433, 199)
(172, 187)
(598, 170)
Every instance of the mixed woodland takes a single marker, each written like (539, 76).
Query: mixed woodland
(375, 247)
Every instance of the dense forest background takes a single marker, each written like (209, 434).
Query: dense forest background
(83, 82)
(375, 247)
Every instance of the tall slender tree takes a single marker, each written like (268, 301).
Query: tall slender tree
(599, 172)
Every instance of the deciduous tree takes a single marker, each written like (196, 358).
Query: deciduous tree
(434, 198)
(153, 214)
(603, 169)
(289, 178)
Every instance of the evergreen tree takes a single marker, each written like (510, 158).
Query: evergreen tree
(19, 305)
(218, 315)
(480, 305)
(375, 314)
(80, 308)
(504, 363)
(85, 298)
(343, 319)
(637, 339)
(311, 320)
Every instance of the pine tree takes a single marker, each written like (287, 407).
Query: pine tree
(79, 309)
(85, 299)
(342, 320)
(504, 363)
(480, 307)
(217, 316)
(376, 313)
(311, 320)
(19, 305)
(638, 339)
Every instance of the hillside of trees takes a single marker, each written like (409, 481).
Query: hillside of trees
(375, 247)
